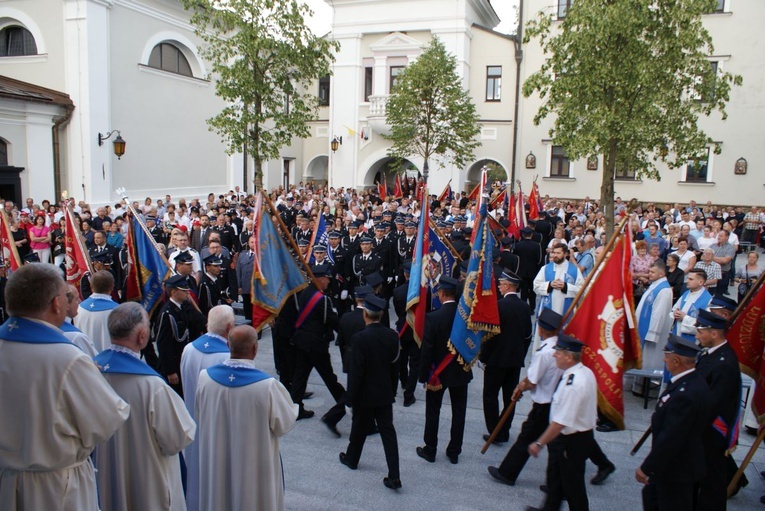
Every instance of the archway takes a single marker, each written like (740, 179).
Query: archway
(317, 170)
(474, 172)
(385, 169)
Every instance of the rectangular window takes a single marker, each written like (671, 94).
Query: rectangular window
(560, 166)
(720, 7)
(696, 168)
(624, 174)
(709, 85)
(493, 83)
(368, 75)
(394, 72)
(563, 7)
(324, 90)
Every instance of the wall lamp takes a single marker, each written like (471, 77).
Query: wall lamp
(336, 143)
(119, 142)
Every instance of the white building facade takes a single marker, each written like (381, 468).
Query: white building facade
(737, 38)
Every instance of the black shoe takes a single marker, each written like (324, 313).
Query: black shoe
(453, 458)
(331, 427)
(307, 395)
(543, 488)
(422, 453)
(393, 484)
(409, 401)
(497, 475)
(497, 440)
(305, 414)
(602, 475)
(607, 427)
(743, 482)
(344, 460)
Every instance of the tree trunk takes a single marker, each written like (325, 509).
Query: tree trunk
(607, 188)
(257, 159)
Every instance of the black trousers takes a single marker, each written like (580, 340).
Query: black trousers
(363, 419)
(669, 496)
(597, 455)
(284, 358)
(494, 380)
(565, 471)
(409, 363)
(433, 400)
(527, 292)
(247, 306)
(713, 492)
(531, 430)
(305, 361)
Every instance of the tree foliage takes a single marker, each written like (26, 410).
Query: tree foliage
(628, 79)
(265, 60)
(430, 113)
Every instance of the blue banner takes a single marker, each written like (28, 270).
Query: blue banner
(441, 261)
(151, 268)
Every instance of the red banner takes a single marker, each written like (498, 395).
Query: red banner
(381, 190)
(512, 217)
(397, 191)
(10, 253)
(746, 338)
(604, 321)
(446, 194)
(132, 284)
(76, 256)
(534, 204)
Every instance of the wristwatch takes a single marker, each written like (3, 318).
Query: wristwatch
(538, 444)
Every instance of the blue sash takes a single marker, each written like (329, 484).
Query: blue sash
(649, 297)
(209, 344)
(571, 275)
(236, 376)
(23, 330)
(98, 304)
(115, 362)
(701, 303)
(68, 327)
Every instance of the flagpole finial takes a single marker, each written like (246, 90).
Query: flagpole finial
(122, 193)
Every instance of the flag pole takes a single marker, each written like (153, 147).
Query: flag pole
(289, 237)
(12, 244)
(752, 450)
(145, 229)
(78, 239)
(499, 425)
(611, 242)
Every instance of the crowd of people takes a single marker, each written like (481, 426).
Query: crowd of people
(195, 361)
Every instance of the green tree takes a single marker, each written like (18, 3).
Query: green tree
(264, 59)
(430, 113)
(628, 79)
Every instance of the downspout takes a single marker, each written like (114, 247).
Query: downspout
(518, 60)
(59, 123)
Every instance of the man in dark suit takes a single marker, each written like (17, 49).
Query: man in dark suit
(530, 257)
(351, 323)
(434, 350)
(409, 361)
(314, 328)
(199, 237)
(371, 388)
(719, 367)
(503, 354)
(244, 269)
(675, 464)
(228, 237)
(210, 287)
(365, 262)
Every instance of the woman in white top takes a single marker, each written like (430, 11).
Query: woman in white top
(707, 240)
(687, 258)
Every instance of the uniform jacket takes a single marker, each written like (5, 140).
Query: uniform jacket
(530, 257)
(438, 328)
(372, 375)
(721, 372)
(508, 348)
(176, 327)
(351, 323)
(315, 333)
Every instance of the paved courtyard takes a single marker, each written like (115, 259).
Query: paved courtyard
(315, 479)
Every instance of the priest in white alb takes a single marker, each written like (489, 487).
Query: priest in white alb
(56, 406)
(208, 350)
(242, 412)
(653, 317)
(139, 467)
(70, 331)
(557, 283)
(93, 313)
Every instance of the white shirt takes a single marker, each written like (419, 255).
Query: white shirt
(543, 372)
(678, 376)
(575, 402)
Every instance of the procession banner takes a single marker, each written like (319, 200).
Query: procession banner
(604, 321)
(446, 193)
(76, 256)
(746, 338)
(147, 268)
(417, 292)
(440, 261)
(535, 204)
(10, 253)
(277, 276)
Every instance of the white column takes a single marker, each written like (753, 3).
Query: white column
(39, 155)
(380, 76)
(86, 45)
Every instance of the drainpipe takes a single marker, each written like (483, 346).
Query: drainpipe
(518, 61)
(59, 123)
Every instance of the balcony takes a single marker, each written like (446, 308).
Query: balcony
(377, 119)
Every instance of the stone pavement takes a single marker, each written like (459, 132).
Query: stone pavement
(315, 479)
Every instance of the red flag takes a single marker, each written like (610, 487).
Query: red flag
(446, 194)
(500, 198)
(604, 321)
(10, 253)
(534, 204)
(405, 186)
(474, 195)
(397, 191)
(76, 258)
(520, 210)
(512, 218)
(417, 292)
(746, 339)
(133, 283)
(381, 189)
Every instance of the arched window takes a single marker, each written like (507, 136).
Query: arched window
(168, 57)
(16, 41)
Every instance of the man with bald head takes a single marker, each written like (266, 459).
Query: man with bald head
(44, 381)
(158, 427)
(241, 412)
